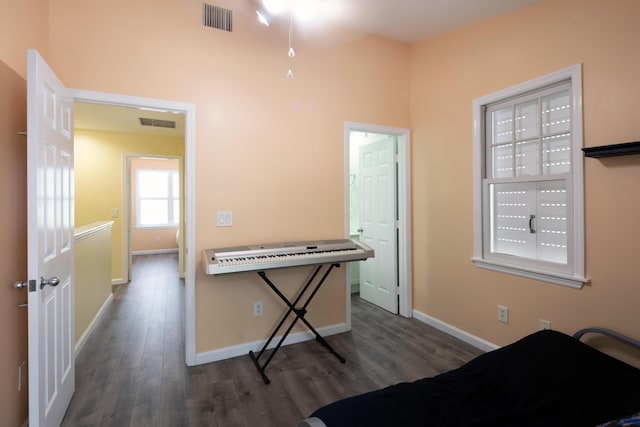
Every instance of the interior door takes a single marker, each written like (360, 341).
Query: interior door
(50, 233)
(378, 275)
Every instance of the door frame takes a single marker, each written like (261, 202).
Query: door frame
(189, 194)
(405, 305)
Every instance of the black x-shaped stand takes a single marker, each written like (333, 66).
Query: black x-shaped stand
(299, 313)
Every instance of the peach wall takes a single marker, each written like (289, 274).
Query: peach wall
(268, 148)
(23, 25)
(13, 245)
(447, 73)
(150, 239)
(99, 178)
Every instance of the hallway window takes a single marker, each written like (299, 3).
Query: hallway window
(157, 198)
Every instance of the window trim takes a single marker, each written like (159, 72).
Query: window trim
(575, 259)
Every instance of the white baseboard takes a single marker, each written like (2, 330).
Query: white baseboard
(155, 252)
(243, 349)
(118, 281)
(298, 337)
(96, 320)
(455, 332)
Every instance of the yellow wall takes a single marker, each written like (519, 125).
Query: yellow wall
(23, 24)
(92, 274)
(447, 73)
(99, 178)
(151, 239)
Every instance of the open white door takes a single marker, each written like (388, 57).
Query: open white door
(378, 275)
(50, 233)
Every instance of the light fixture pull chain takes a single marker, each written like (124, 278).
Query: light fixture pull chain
(291, 52)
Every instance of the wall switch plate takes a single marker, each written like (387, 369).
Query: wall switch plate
(503, 314)
(224, 219)
(114, 212)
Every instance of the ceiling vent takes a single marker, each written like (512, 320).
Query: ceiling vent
(157, 123)
(217, 17)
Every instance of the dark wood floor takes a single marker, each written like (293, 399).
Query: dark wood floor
(131, 371)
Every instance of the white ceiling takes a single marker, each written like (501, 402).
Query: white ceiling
(403, 20)
(413, 20)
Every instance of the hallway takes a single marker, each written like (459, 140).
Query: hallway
(132, 370)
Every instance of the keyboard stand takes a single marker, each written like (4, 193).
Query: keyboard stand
(299, 313)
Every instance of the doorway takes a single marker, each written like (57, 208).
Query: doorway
(158, 228)
(188, 221)
(355, 136)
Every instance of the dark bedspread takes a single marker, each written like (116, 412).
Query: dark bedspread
(545, 379)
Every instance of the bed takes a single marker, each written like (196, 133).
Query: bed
(546, 379)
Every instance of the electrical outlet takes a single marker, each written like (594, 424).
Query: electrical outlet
(258, 308)
(544, 324)
(503, 314)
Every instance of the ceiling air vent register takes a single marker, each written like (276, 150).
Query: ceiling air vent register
(157, 123)
(217, 17)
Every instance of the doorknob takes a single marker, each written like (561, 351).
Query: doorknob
(52, 281)
(19, 285)
(360, 230)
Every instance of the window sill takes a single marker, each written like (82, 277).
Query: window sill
(555, 278)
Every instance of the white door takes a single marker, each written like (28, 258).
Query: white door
(50, 233)
(378, 275)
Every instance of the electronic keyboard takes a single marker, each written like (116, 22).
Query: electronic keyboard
(282, 255)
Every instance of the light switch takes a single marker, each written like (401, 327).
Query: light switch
(114, 212)
(224, 219)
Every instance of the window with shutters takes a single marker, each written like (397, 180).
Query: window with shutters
(528, 179)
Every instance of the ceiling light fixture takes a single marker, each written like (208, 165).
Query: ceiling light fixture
(303, 10)
(275, 7)
(306, 10)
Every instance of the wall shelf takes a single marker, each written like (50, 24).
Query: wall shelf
(613, 150)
